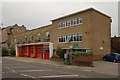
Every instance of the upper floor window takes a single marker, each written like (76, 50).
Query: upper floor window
(74, 21)
(39, 37)
(25, 39)
(47, 36)
(19, 40)
(31, 39)
(71, 22)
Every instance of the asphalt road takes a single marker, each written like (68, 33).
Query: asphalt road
(29, 70)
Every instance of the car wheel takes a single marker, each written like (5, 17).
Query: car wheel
(115, 61)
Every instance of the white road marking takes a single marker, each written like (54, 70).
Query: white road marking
(6, 67)
(14, 71)
(83, 76)
(27, 76)
(10, 69)
(33, 70)
(63, 72)
(56, 76)
(87, 70)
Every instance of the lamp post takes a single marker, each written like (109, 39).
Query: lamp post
(69, 55)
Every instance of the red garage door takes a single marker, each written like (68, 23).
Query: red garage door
(20, 51)
(25, 51)
(31, 51)
(38, 51)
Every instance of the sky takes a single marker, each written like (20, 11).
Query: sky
(34, 14)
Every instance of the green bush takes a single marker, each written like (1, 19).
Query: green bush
(60, 52)
(5, 52)
(12, 52)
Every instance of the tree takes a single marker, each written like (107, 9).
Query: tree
(59, 52)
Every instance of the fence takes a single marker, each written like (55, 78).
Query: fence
(81, 59)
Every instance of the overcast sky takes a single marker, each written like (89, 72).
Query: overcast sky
(36, 14)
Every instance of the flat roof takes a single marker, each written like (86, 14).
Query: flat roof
(77, 48)
(44, 26)
(33, 44)
(81, 12)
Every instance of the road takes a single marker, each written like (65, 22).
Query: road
(30, 70)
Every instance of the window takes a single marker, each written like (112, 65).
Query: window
(31, 39)
(77, 20)
(25, 40)
(64, 38)
(74, 21)
(38, 37)
(69, 23)
(63, 24)
(19, 39)
(66, 23)
(70, 38)
(75, 37)
(47, 36)
(60, 39)
(79, 37)
(80, 20)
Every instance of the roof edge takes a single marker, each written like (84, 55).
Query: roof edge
(81, 12)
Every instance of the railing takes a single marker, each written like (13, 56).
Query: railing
(81, 59)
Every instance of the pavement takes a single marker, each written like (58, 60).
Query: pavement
(103, 67)
(0, 67)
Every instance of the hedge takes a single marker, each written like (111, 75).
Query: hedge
(12, 52)
(5, 52)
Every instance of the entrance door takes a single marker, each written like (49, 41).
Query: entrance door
(46, 52)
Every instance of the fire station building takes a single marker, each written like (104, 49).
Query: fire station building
(83, 31)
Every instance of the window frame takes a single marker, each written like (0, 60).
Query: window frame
(39, 36)
(70, 23)
(64, 38)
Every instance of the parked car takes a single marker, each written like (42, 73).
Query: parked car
(113, 57)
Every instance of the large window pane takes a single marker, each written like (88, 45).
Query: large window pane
(48, 36)
(25, 40)
(71, 39)
(39, 37)
(75, 37)
(79, 37)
